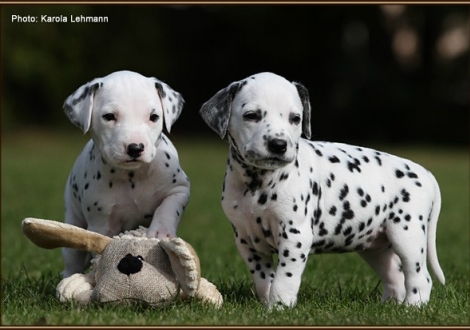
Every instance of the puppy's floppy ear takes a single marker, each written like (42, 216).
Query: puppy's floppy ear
(79, 105)
(303, 93)
(172, 103)
(216, 112)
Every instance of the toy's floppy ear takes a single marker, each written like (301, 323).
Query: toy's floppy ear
(49, 234)
(184, 263)
(172, 103)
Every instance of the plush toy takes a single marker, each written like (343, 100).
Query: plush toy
(127, 268)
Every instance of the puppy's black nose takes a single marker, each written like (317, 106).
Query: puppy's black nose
(277, 146)
(130, 264)
(135, 150)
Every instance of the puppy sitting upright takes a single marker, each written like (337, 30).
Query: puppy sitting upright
(290, 196)
(128, 174)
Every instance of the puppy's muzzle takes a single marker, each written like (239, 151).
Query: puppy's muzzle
(135, 150)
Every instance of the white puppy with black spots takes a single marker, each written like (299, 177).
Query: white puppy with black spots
(287, 195)
(128, 174)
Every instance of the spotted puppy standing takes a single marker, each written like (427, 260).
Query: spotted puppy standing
(284, 194)
(128, 174)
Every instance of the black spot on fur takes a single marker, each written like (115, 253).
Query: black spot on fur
(379, 161)
(332, 210)
(322, 231)
(362, 225)
(334, 159)
(343, 192)
(347, 231)
(348, 214)
(318, 243)
(315, 189)
(377, 210)
(294, 231)
(354, 166)
(338, 228)
(262, 199)
(267, 233)
(405, 195)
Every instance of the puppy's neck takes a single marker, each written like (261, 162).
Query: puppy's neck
(254, 178)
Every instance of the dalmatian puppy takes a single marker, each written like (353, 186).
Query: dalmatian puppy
(286, 195)
(128, 174)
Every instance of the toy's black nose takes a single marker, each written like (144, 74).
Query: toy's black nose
(135, 150)
(130, 264)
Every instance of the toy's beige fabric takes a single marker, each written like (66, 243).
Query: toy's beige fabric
(78, 287)
(153, 284)
(50, 234)
(131, 266)
(184, 263)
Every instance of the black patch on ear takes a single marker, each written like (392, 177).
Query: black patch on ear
(159, 87)
(86, 92)
(70, 107)
(216, 112)
(304, 97)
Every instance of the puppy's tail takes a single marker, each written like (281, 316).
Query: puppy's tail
(432, 228)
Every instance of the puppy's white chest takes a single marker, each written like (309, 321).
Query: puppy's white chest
(254, 207)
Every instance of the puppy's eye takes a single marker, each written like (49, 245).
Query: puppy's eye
(154, 117)
(295, 119)
(140, 257)
(109, 117)
(252, 116)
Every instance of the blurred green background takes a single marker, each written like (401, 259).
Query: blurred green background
(381, 73)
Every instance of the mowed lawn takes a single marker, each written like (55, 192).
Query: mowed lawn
(336, 289)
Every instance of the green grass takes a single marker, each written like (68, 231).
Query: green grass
(336, 289)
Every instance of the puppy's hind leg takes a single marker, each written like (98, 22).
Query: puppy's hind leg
(388, 266)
